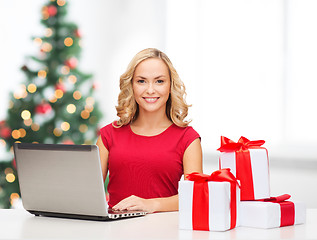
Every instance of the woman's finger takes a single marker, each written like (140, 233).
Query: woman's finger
(125, 203)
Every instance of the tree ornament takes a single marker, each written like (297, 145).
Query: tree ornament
(5, 131)
(60, 86)
(14, 163)
(71, 62)
(95, 85)
(43, 108)
(68, 141)
(51, 10)
(77, 33)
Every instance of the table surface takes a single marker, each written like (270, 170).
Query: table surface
(19, 224)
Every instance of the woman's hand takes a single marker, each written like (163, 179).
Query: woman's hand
(137, 203)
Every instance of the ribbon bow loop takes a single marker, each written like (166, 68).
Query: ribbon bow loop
(227, 145)
(198, 177)
(224, 175)
(278, 199)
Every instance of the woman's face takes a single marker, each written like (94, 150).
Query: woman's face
(151, 85)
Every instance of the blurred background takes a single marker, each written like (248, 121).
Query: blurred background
(249, 67)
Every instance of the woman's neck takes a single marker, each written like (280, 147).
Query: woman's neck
(150, 124)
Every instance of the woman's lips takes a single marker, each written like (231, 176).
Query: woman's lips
(150, 99)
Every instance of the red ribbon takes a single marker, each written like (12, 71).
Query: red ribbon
(227, 145)
(243, 162)
(287, 209)
(200, 212)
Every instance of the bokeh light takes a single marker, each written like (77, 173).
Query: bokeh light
(59, 93)
(48, 32)
(58, 132)
(26, 115)
(77, 95)
(22, 132)
(65, 70)
(32, 88)
(90, 101)
(85, 114)
(10, 177)
(42, 74)
(35, 127)
(47, 47)
(16, 134)
(71, 108)
(61, 2)
(83, 128)
(37, 41)
(28, 122)
(72, 79)
(68, 41)
(65, 126)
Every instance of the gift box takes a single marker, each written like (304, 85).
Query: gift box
(249, 163)
(272, 213)
(209, 202)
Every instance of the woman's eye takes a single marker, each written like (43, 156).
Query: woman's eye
(141, 81)
(160, 81)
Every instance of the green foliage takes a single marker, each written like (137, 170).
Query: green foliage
(55, 103)
(8, 190)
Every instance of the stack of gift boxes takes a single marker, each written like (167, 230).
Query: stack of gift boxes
(238, 194)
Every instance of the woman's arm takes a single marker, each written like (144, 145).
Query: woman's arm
(103, 154)
(193, 158)
(192, 162)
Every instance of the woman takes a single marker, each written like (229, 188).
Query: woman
(151, 146)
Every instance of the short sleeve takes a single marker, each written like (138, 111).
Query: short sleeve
(106, 136)
(189, 136)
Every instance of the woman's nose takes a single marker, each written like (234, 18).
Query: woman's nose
(150, 89)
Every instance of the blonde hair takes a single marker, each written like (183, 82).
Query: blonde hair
(176, 106)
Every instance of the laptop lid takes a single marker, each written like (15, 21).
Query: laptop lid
(61, 179)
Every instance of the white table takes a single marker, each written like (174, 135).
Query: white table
(19, 224)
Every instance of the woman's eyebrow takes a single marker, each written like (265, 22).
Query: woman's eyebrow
(140, 77)
(160, 76)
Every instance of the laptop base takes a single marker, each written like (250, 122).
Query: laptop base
(113, 216)
(69, 215)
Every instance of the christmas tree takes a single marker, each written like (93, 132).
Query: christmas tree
(55, 104)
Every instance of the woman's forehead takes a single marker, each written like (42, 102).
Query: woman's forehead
(152, 68)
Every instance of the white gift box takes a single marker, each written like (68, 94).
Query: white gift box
(260, 171)
(267, 214)
(219, 205)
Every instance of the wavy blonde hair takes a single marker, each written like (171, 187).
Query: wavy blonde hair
(176, 106)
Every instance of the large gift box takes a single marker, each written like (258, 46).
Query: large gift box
(272, 213)
(209, 202)
(249, 163)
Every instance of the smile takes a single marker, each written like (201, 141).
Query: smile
(151, 100)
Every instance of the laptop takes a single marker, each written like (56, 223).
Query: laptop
(58, 180)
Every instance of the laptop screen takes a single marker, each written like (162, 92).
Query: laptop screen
(61, 178)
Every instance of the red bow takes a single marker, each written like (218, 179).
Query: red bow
(278, 199)
(227, 145)
(200, 213)
(222, 175)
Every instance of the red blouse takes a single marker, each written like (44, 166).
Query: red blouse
(147, 167)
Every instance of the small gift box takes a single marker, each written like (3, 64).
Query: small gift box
(272, 213)
(249, 163)
(209, 202)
